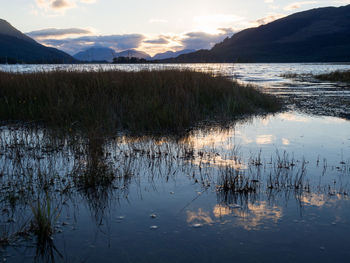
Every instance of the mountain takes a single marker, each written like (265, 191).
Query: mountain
(134, 53)
(96, 54)
(15, 47)
(171, 54)
(317, 35)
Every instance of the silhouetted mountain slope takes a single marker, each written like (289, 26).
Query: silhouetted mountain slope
(317, 35)
(107, 54)
(96, 54)
(134, 53)
(17, 47)
(171, 54)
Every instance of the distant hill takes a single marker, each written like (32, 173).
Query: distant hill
(107, 54)
(134, 53)
(171, 54)
(317, 35)
(16, 47)
(96, 54)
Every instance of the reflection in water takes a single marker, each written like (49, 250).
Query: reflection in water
(221, 211)
(199, 217)
(264, 139)
(314, 200)
(94, 178)
(293, 117)
(285, 141)
(250, 216)
(213, 137)
(321, 200)
(218, 161)
(115, 184)
(257, 214)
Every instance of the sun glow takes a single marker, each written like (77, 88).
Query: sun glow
(212, 24)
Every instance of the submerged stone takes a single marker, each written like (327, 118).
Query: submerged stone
(153, 215)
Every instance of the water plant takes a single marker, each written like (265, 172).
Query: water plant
(44, 219)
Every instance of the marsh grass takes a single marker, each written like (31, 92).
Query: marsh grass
(138, 102)
(336, 76)
(236, 181)
(44, 219)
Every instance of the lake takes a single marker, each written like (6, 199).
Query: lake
(273, 188)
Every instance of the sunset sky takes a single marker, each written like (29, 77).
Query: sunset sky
(149, 25)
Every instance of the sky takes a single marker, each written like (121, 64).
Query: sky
(153, 26)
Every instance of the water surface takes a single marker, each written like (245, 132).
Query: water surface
(167, 200)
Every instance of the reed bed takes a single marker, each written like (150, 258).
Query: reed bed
(138, 102)
(336, 76)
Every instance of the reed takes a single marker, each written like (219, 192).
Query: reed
(336, 76)
(138, 102)
(44, 219)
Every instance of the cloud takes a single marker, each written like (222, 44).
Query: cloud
(74, 40)
(203, 40)
(157, 41)
(116, 42)
(343, 2)
(157, 20)
(58, 4)
(56, 7)
(210, 23)
(268, 19)
(57, 33)
(217, 19)
(226, 30)
(297, 5)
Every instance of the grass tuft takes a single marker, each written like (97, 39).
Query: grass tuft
(44, 218)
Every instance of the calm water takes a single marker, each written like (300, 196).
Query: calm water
(167, 201)
(258, 73)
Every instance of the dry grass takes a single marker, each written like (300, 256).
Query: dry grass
(146, 101)
(336, 76)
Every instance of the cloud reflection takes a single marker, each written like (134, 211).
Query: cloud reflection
(285, 141)
(199, 217)
(251, 217)
(264, 139)
(293, 117)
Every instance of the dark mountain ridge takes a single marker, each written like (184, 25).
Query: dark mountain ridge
(317, 35)
(16, 47)
(98, 53)
(171, 54)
